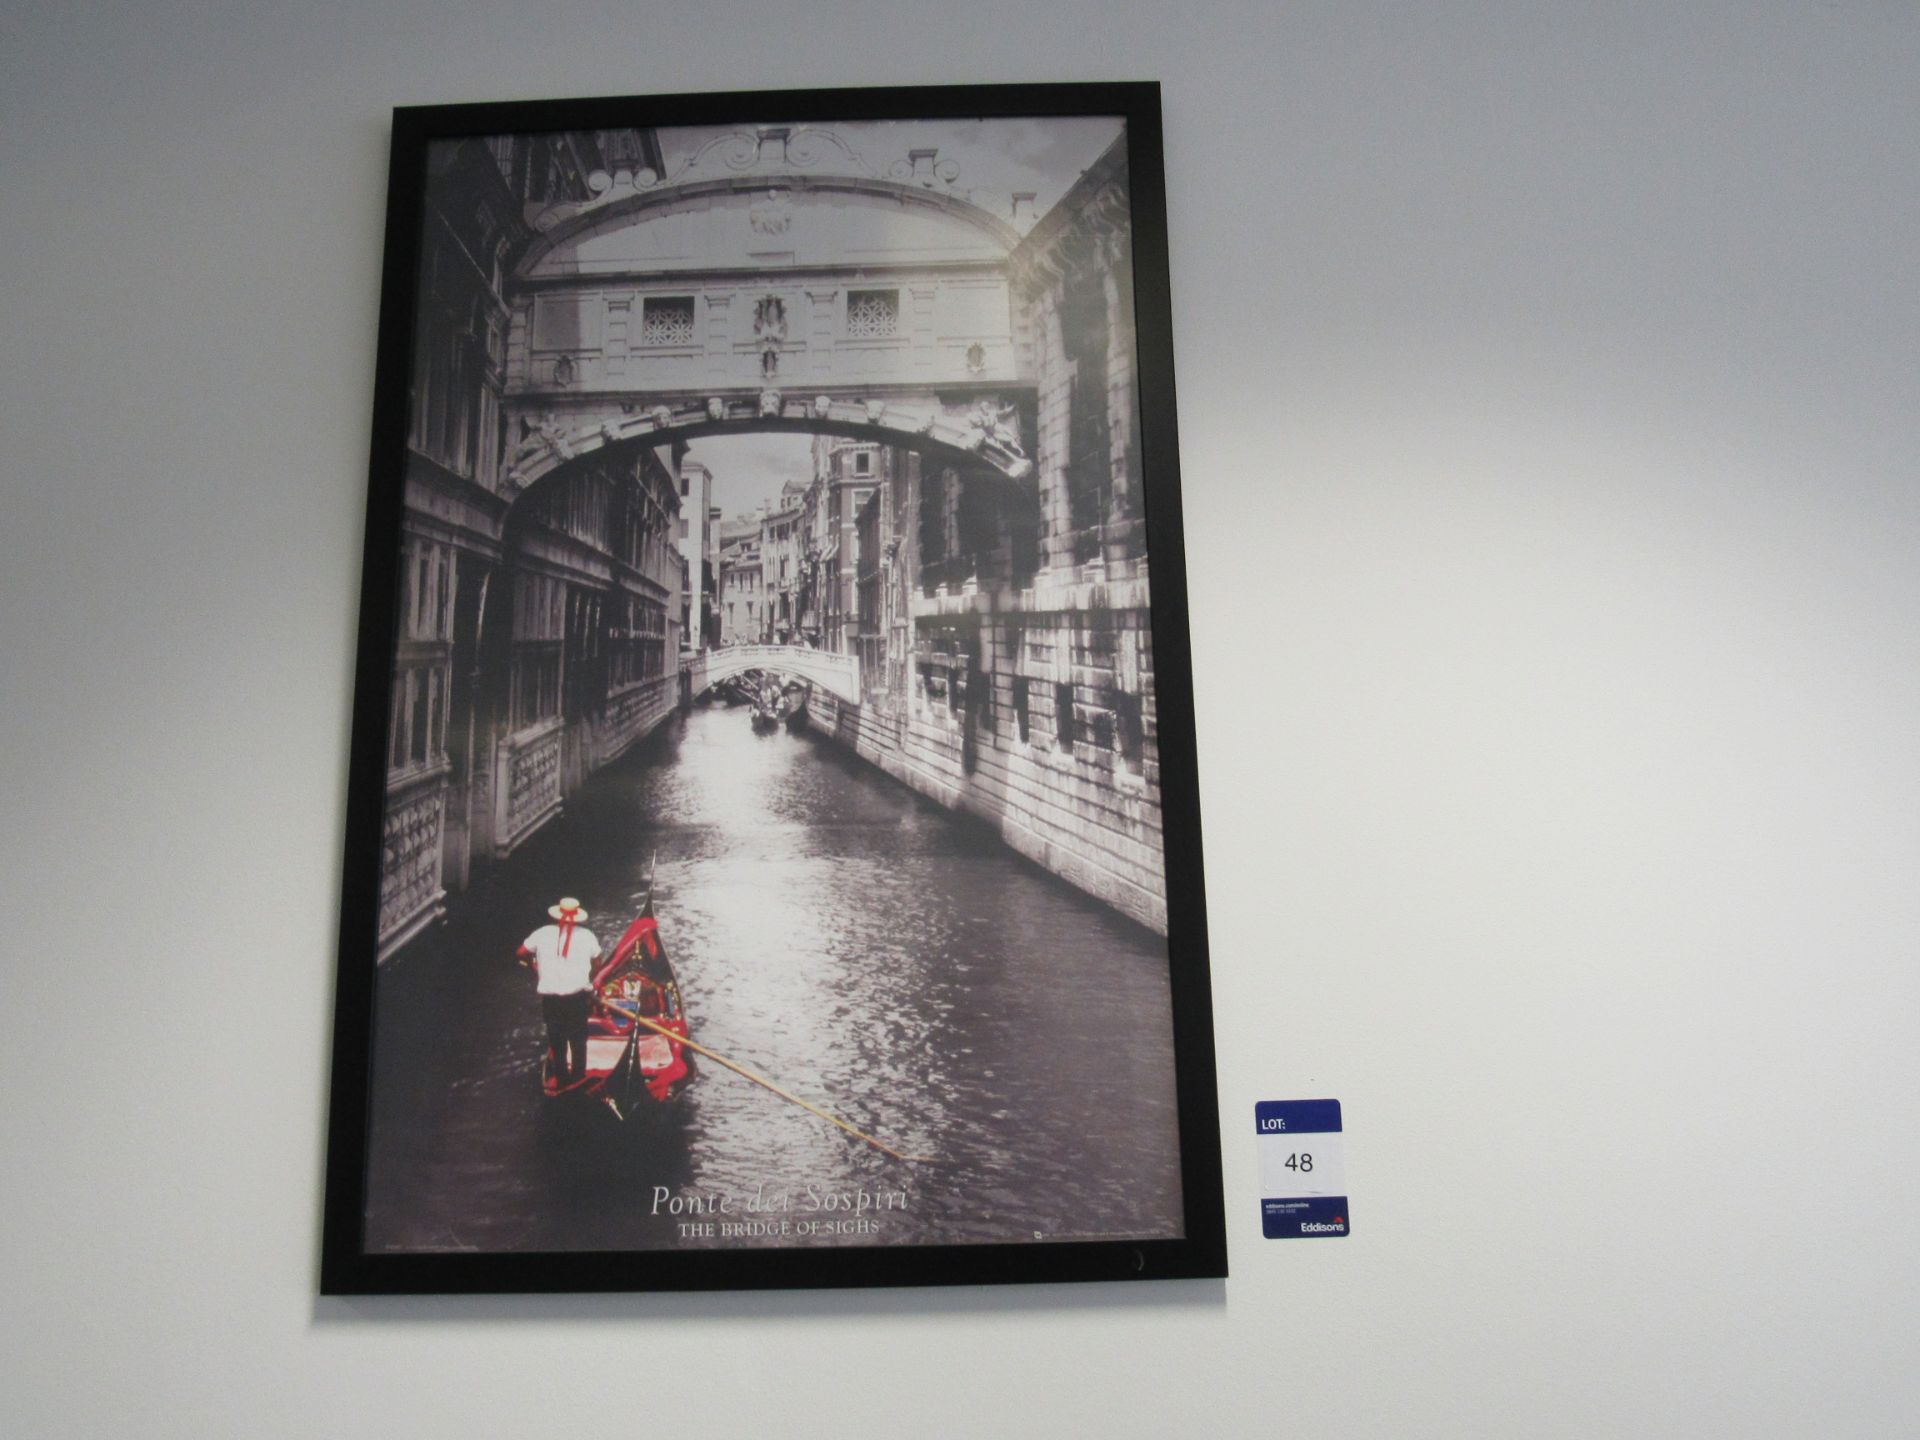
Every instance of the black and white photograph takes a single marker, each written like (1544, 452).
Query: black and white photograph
(772, 843)
(623, 626)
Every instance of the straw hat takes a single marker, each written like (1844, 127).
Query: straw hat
(567, 910)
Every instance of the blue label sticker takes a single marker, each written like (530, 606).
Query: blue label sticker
(1297, 1116)
(1284, 1219)
(1303, 1179)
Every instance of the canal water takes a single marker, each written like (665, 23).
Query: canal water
(833, 931)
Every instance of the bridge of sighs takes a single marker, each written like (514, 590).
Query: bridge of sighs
(587, 309)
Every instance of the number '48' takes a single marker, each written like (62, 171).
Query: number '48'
(1302, 1162)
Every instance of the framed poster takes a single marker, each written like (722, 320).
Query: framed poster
(773, 850)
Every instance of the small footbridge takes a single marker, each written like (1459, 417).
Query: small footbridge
(837, 674)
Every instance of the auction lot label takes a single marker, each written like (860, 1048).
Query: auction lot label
(1303, 1178)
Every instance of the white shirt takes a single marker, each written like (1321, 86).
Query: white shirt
(566, 974)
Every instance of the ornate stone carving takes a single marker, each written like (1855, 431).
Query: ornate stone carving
(410, 859)
(543, 432)
(999, 423)
(770, 329)
(809, 149)
(772, 150)
(996, 431)
(925, 168)
(533, 784)
(770, 319)
(627, 716)
(1098, 234)
(773, 215)
(736, 151)
(777, 153)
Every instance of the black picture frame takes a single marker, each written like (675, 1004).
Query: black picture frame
(347, 1266)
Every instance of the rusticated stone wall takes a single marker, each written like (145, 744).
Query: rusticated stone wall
(987, 731)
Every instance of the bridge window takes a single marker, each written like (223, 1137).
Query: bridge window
(536, 684)
(1065, 727)
(1085, 338)
(1133, 744)
(500, 147)
(666, 320)
(539, 620)
(636, 630)
(1022, 715)
(417, 727)
(427, 592)
(976, 522)
(980, 695)
(1102, 732)
(873, 314)
(580, 505)
(447, 419)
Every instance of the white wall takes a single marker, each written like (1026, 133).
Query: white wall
(1548, 401)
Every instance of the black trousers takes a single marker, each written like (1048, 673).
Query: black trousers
(566, 1017)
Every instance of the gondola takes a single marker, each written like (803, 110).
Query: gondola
(633, 1070)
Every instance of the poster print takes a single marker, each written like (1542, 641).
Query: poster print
(773, 851)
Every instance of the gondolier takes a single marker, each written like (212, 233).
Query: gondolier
(563, 954)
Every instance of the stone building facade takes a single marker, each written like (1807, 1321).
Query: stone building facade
(742, 598)
(698, 619)
(1025, 692)
(538, 630)
(971, 532)
(780, 560)
(845, 474)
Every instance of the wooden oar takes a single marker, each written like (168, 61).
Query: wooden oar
(762, 1080)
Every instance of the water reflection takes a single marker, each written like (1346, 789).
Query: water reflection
(833, 931)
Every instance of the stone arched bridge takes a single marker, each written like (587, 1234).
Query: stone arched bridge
(838, 674)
